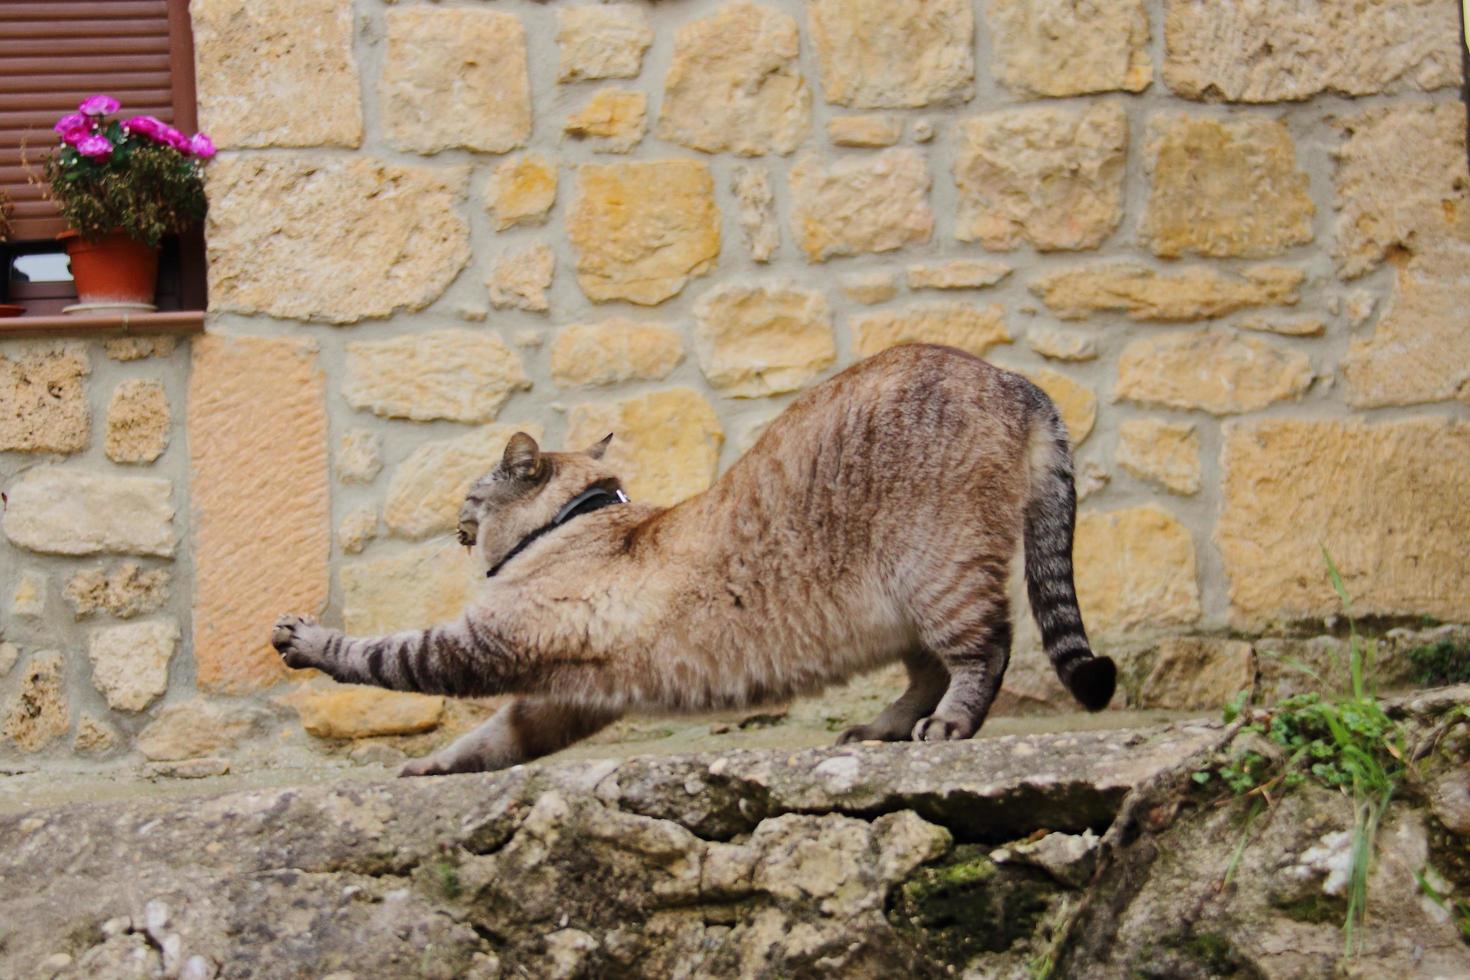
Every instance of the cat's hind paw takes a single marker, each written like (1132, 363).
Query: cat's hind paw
(942, 728)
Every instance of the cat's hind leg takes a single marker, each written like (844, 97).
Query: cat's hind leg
(522, 730)
(975, 647)
(928, 680)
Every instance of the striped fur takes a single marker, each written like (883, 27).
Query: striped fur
(874, 521)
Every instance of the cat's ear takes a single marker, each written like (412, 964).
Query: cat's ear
(599, 447)
(522, 457)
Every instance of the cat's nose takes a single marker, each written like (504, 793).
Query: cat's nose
(467, 531)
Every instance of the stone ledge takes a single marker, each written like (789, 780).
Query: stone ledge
(173, 323)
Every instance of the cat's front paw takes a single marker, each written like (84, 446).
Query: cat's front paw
(297, 640)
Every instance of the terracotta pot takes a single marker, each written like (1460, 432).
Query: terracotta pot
(116, 269)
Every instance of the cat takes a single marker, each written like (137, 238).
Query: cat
(874, 520)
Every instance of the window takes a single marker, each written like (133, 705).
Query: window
(53, 55)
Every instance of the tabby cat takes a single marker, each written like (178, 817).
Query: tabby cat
(874, 520)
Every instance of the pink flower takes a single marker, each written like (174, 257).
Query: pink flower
(172, 137)
(149, 126)
(95, 147)
(74, 127)
(99, 105)
(201, 146)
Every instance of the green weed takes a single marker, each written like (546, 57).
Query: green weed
(1346, 743)
(1442, 662)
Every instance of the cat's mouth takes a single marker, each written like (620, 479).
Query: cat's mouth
(466, 533)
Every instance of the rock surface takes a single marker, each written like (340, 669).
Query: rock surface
(261, 546)
(860, 204)
(762, 339)
(473, 93)
(277, 72)
(734, 85)
(43, 399)
(736, 864)
(461, 375)
(891, 54)
(667, 442)
(641, 230)
(68, 511)
(395, 241)
(1048, 177)
(138, 422)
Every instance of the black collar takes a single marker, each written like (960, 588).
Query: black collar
(583, 503)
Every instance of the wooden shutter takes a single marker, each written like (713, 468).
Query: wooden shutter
(54, 54)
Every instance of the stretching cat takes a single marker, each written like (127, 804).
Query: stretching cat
(874, 520)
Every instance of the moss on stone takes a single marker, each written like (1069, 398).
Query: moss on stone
(967, 905)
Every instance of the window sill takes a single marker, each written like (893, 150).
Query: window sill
(104, 325)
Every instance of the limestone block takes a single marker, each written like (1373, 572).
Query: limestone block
(462, 375)
(359, 456)
(891, 54)
(869, 288)
(756, 201)
(1401, 184)
(970, 328)
(137, 348)
(614, 351)
(734, 85)
(427, 488)
(1302, 326)
(1227, 188)
(1166, 453)
(9, 654)
(348, 237)
(860, 204)
(1278, 50)
(277, 72)
(1046, 176)
(138, 422)
(1135, 570)
(28, 601)
(867, 131)
(415, 588)
(198, 728)
(259, 494)
(601, 41)
(39, 713)
(350, 711)
(64, 511)
(130, 662)
(1197, 673)
(1387, 500)
(94, 737)
(43, 399)
(1214, 370)
(1076, 403)
(755, 340)
(1420, 350)
(454, 77)
(613, 119)
(957, 274)
(1191, 293)
(125, 590)
(522, 191)
(521, 278)
(1061, 47)
(1057, 344)
(666, 444)
(358, 528)
(642, 229)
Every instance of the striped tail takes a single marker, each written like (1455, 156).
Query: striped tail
(1050, 517)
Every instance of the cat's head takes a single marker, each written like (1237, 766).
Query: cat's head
(525, 492)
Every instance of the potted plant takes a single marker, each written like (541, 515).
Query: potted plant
(6, 309)
(122, 185)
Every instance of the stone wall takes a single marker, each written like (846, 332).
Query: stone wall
(1230, 240)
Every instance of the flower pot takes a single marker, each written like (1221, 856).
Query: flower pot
(116, 271)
